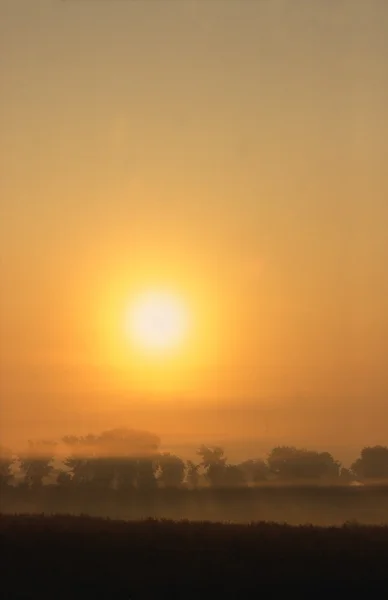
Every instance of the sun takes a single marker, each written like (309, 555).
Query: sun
(157, 321)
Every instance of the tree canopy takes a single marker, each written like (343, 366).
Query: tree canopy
(128, 459)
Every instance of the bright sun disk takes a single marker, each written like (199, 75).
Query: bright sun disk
(157, 321)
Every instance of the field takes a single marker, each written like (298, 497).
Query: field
(77, 557)
(319, 505)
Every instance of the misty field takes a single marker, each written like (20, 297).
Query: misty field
(293, 504)
(78, 557)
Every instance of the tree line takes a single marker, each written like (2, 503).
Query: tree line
(125, 459)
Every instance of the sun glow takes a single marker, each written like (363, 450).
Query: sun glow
(157, 322)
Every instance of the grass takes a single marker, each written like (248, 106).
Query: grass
(63, 556)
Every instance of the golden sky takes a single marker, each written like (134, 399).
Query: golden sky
(232, 151)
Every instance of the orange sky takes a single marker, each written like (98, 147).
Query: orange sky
(232, 151)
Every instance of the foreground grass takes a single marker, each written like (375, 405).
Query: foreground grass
(76, 557)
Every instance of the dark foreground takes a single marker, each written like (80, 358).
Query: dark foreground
(80, 557)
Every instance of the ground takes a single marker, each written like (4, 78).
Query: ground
(78, 557)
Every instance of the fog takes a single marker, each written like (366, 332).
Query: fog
(231, 154)
(126, 473)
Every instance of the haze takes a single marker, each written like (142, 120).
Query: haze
(233, 152)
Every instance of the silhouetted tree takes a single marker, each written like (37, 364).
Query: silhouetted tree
(372, 464)
(146, 474)
(63, 478)
(172, 470)
(214, 464)
(126, 459)
(103, 470)
(36, 462)
(126, 473)
(79, 462)
(192, 475)
(255, 470)
(79, 469)
(233, 476)
(119, 458)
(6, 462)
(128, 442)
(346, 475)
(293, 463)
